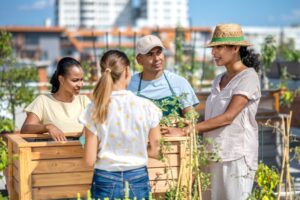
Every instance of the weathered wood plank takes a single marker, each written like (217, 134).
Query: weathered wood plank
(175, 139)
(57, 179)
(173, 148)
(171, 160)
(59, 192)
(16, 174)
(25, 174)
(16, 186)
(16, 162)
(57, 152)
(59, 165)
(160, 186)
(163, 173)
(10, 172)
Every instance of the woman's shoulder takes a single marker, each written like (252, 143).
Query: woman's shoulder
(249, 72)
(41, 101)
(83, 99)
(43, 97)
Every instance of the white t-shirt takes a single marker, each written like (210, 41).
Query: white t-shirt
(61, 114)
(124, 135)
(240, 138)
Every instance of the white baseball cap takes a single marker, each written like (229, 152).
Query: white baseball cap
(146, 43)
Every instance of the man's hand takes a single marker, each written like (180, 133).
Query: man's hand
(55, 133)
(173, 132)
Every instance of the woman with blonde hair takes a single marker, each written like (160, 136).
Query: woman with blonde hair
(230, 114)
(118, 126)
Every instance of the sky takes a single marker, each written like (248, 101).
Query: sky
(201, 12)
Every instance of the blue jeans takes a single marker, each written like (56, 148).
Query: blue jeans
(112, 184)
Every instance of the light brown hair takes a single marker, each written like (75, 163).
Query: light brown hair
(113, 64)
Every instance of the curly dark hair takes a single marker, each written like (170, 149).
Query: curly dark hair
(249, 58)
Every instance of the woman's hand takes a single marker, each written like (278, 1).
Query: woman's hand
(55, 133)
(187, 130)
(173, 132)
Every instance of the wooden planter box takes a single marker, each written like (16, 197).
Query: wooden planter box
(53, 170)
(295, 107)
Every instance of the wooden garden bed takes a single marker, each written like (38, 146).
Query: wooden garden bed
(52, 170)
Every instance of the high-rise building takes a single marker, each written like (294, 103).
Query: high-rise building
(103, 14)
(163, 13)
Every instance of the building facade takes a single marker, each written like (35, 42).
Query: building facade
(106, 14)
(98, 14)
(163, 13)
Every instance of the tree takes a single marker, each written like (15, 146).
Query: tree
(14, 79)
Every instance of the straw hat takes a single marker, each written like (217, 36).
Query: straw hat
(228, 34)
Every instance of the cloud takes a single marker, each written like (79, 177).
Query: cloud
(37, 5)
(293, 16)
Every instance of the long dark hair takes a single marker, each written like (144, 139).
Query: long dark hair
(249, 58)
(62, 69)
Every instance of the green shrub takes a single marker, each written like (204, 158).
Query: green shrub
(267, 180)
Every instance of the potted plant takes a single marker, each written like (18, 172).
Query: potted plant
(291, 62)
(289, 59)
(268, 56)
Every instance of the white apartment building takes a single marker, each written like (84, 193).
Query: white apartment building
(163, 13)
(105, 14)
(99, 14)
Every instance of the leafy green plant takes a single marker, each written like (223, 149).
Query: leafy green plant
(2, 197)
(185, 63)
(286, 98)
(198, 154)
(14, 79)
(89, 71)
(3, 155)
(6, 125)
(5, 48)
(173, 119)
(268, 52)
(290, 54)
(268, 56)
(267, 180)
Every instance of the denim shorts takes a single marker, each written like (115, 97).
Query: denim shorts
(111, 185)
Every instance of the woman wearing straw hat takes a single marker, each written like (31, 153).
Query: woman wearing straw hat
(230, 114)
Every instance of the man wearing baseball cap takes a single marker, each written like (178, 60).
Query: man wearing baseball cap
(157, 84)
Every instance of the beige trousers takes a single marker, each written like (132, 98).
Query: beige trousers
(231, 180)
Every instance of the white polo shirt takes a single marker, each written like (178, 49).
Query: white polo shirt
(239, 139)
